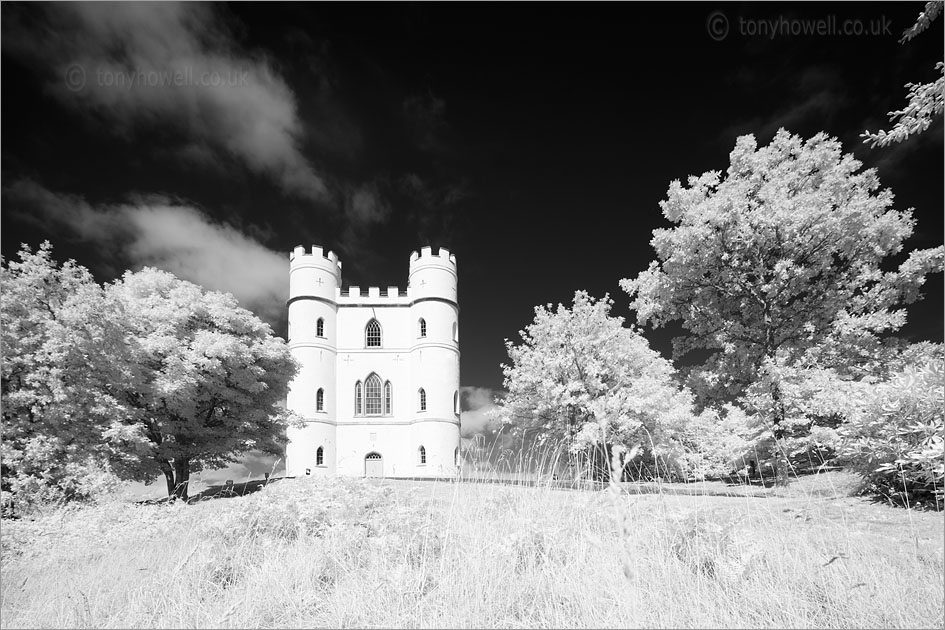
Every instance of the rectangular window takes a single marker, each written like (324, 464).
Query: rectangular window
(373, 334)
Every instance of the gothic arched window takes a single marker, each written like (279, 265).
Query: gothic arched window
(423, 327)
(357, 398)
(320, 457)
(456, 401)
(372, 395)
(372, 334)
(320, 327)
(423, 455)
(455, 331)
(387, 398)
(423, 399)
(320, 400)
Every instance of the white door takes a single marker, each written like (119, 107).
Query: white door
(373, 465)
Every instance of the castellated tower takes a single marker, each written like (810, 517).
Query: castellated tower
(379, 383)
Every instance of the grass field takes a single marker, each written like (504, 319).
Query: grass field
(384, 553)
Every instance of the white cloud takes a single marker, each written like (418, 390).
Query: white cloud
(477, 403)
(162, 233)
(175, 65)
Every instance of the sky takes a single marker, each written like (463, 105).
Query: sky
(535, 141)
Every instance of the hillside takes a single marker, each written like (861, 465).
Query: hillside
(383, 553)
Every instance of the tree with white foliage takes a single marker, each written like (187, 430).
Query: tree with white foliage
(210, 379)
(580, 377)
(779, 255)
(64, 422)
(148, 375)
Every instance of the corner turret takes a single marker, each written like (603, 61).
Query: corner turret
(432, 275)
(314, 274)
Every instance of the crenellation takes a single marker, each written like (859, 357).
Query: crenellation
(374, 292)
(426, 255)
(317, 251)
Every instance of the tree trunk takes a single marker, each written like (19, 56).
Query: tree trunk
(779, 456)
(182, 477)
(168, 475)
(600, 463)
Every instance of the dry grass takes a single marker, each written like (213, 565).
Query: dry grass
(379, 553)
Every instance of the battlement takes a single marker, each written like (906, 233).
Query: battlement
(426, 255)
(300, 255)
(372, 294)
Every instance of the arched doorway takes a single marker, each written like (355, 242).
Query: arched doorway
(373, 465)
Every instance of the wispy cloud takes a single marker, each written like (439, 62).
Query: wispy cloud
(170, 65)
(425, 116)
(168, 234)
(813, 98)
(365, 206)
(894, 160)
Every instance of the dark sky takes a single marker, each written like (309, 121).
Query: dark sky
(534, 140)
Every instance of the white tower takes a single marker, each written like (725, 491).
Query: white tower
(314, 282)
(379, 383)
(434, 355)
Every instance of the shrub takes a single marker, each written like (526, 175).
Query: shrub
(80, 481)
(896, 442)
(714, 443)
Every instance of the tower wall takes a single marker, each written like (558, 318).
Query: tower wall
(314, 279)
(434, 359)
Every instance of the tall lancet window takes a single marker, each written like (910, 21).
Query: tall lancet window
(387, 398)
(320, 400)
(423, 399)
(372, 395)
(357, 398)
(372, 334)
(320, 327)
(423, 327)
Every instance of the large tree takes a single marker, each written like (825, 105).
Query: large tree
(210, 379)
(580, 377)
(148, 375)
(781, 254)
